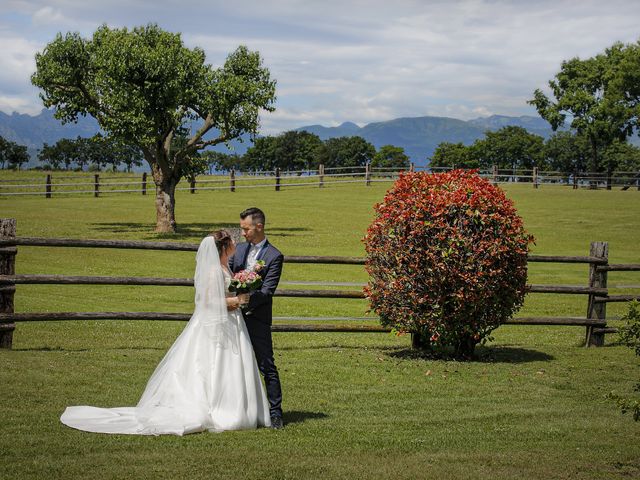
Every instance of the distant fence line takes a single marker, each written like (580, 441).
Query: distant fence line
(97, 185)
(596, 290)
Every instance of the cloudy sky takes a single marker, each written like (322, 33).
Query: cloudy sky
(354, 60)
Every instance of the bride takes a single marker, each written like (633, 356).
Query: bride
(208, 380)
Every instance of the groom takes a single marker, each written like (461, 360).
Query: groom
(257, 313)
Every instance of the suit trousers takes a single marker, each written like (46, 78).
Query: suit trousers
(260, 335)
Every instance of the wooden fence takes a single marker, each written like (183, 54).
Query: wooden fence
(98, 185)
(594, 321)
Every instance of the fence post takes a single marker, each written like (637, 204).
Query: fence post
(232, 180)
(96, 185)
(277, 179)
(321, 175)
(598, 279)
(494, 174)
(144, 183)
(47, 186)
(535, 177)
(7, 290)
(192, 185)
(367, 174)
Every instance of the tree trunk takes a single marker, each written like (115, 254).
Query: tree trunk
(165, 206)
(593, 183)
(465, 348)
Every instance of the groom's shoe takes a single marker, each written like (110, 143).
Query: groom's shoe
(276, 423)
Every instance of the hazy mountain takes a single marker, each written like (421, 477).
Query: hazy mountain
(419, 136)
(33, 131)
(536, 125)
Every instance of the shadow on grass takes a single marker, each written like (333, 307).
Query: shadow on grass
(297, 416)
(186, 231)
(50, 349)
(482, 355)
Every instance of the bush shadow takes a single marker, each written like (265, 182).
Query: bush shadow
(497, 354)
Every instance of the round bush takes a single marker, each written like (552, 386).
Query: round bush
(447, 258)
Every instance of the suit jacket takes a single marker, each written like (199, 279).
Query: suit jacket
(261, 300)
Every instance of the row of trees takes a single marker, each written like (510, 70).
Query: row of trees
(515, 148)
(300, 150)
(97, 153)
(12, 155)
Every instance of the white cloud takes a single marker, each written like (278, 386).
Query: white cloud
(48, 16)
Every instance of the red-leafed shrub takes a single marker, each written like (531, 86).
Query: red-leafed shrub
(447, 258)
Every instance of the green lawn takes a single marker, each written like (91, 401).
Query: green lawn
(357, 405)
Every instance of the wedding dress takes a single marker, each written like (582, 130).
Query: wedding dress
(208, 380)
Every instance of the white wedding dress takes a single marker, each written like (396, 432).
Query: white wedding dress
(208, 380)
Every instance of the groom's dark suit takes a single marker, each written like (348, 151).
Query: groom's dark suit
(258, 316)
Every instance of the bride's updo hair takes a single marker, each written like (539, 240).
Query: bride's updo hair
(223, 240)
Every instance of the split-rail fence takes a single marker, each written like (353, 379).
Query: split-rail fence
(596, 291)
(99, 185)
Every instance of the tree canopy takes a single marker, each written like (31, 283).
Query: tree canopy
(144, 87)
(599, 97)
(390, 156)
(12, 155)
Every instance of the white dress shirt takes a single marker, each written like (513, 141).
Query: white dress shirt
(254, 250)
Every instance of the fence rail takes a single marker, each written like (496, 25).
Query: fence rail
(278, 179)
(596, 291)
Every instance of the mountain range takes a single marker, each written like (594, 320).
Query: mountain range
(419, 136)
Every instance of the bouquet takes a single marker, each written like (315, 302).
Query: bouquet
(246, 281)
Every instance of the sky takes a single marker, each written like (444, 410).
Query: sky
(349, 60)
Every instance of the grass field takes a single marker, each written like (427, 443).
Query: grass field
(356, 405)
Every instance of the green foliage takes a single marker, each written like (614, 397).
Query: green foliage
(346, 152)
(567, 152)
(454, 155)
(630, 333)
(447, 258)
(222, 162)
(390, 156)
(621, 156)
(510, 147)
(601, 95)
(12, 155)
(144, 87)
(97, 151)
(291, 150)
(630, 336)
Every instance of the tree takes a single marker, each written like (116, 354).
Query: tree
(567, 152)
(621, 156)
(297, 150)
(223, 162)
(447, 259)
(262, 155)
(453, 155)
(390, 156)
(12, 155)
(62, 153)
(143, 86)
(601, 96)
(290, 150)
(510, 147)
(345, 152)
